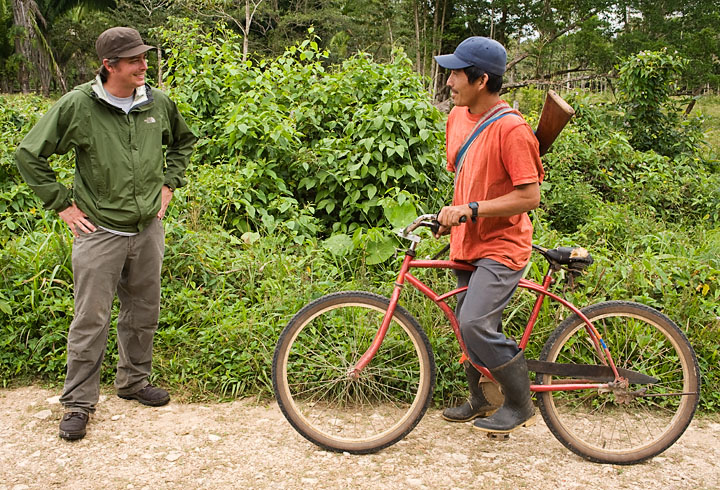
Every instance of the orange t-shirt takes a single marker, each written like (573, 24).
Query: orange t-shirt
(506, 154)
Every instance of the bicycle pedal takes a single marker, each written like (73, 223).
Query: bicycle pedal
(498, 436)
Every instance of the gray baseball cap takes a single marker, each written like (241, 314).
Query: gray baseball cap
(120, 42)
(482, 52)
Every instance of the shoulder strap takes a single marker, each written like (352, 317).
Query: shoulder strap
(479, 128)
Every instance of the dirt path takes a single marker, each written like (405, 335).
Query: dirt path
(248, 445)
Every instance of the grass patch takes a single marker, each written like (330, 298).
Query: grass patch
(709, 106)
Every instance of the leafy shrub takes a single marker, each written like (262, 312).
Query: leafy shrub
(647, 80)
(529, 99)
(296, 134)
(594, 156)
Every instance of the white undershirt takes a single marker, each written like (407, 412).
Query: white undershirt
(124, 103)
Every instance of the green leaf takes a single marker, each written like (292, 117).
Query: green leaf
(400, 215)
(380, 251)
(339, 245)
(250, 237)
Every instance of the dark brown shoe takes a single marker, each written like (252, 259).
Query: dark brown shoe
(150, 395)
(72, 425)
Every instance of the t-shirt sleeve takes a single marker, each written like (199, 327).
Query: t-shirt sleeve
(521, 156)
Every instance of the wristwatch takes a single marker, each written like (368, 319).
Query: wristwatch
(474, 208)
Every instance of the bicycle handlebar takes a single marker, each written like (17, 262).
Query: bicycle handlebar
(575, 259)
(429, 220)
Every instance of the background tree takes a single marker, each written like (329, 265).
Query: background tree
(34, 54)
(550, 42)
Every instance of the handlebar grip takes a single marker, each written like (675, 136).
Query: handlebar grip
(435, 226)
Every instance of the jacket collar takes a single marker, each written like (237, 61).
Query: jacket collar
(143, 95)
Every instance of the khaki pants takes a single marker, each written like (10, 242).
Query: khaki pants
(103, 264)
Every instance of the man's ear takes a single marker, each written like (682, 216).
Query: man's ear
(106, 64)
(480, 83)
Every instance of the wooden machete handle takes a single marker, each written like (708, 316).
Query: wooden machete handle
(555, 115)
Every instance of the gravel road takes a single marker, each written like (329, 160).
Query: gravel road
(248, 444)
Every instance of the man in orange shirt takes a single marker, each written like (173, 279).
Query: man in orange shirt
(497, 181)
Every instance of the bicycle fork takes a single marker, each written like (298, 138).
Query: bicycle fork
(354, 372)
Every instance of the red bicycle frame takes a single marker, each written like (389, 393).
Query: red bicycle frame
(541, 290)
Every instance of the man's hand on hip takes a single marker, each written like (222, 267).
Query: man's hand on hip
(166, 195)
(76, 220)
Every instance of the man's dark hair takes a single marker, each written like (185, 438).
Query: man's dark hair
(102, 71)
(494, 83)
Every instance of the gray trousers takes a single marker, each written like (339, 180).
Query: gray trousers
(103, 264)
(479, 311)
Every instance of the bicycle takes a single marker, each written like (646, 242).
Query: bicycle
(617, 382)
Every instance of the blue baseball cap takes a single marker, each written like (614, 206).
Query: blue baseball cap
(482, 52)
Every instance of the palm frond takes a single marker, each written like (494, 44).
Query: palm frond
(46, 47)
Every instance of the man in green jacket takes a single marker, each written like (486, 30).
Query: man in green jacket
(124, 180)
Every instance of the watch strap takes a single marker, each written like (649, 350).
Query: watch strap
(474, 208)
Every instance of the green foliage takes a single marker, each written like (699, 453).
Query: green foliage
(708, 108)
(233, 277)
(296, 134)
(529, 99)
(594, 159)
(647, 80)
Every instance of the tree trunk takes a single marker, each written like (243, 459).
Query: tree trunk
(42, 64)
(246, 42)
(436, 79)
(23, 45)
(33, 49)
(390, 34)
(418, 62)
(161, 83)
(433, 66)
(423, 36)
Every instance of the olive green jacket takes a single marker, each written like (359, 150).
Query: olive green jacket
(120, 162)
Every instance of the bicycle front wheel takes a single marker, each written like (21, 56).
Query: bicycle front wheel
(334, 409)
(622, 424)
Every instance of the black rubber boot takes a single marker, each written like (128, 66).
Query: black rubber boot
(485, 398)
(518, 409)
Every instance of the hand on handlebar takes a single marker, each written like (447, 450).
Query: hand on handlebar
(454, 215)
(450, 216)
(440, 230)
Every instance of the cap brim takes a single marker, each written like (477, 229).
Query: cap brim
(143, 48)
(451, 62)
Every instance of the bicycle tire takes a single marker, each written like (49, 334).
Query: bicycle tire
(332, 409)
(610, 427)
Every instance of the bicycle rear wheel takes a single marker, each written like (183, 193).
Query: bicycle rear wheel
(358, 414)
(631, 424)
